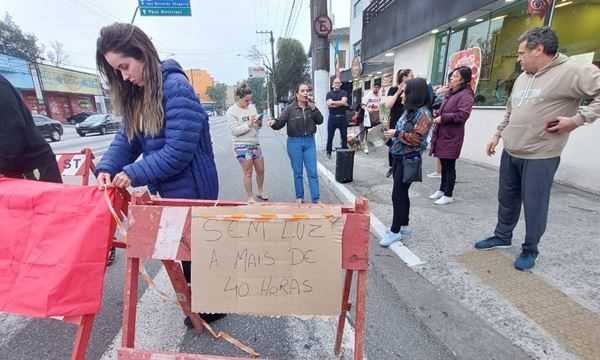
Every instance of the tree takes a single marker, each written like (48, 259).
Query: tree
(292, 66)
(16, 43)
(218, 94)
(56, 54)
(259, 93)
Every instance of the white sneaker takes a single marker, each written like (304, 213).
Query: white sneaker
(434, 175)
(366, 150)
(444, 200)
(436, 195)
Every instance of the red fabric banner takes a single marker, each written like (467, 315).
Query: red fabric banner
(54, 240)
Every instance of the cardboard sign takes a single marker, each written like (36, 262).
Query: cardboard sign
(267, 260)
(471, 58)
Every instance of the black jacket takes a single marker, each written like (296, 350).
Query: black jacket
(22, 147)
(299, 121)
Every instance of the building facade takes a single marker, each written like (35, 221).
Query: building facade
(201, 80)
(423, 35)
(53, 91)
(68, 92)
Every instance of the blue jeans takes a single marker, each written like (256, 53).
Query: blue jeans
(302, 151)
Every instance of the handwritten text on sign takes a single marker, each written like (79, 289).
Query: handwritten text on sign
(288, 262)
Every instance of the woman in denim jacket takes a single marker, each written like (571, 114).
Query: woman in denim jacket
(409, 142)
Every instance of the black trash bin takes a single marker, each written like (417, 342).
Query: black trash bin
(344, 165)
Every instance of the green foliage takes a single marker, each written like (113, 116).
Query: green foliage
(16, 43)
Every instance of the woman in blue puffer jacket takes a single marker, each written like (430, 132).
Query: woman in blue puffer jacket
(163, 120)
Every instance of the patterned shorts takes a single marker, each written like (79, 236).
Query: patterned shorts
(247, 152)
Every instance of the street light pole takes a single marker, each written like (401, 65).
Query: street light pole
(274, 111)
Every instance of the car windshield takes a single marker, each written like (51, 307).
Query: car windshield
(94, 119)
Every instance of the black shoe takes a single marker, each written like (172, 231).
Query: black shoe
(209, 318)
(111, 257)
(329, 155)
(389, 172)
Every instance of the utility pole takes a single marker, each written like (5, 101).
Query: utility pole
(274, 112)
(320, 66)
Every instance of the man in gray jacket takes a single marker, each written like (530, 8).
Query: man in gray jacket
(543, 109)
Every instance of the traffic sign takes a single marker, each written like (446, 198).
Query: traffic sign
(323, 25)
(165, 8)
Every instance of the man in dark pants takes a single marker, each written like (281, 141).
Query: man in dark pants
(23, 151)
(337, 101)
(542, 111)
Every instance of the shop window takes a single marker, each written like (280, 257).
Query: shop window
(356, 48)
(439, 58)
(497, 37)
(499, 76)
(581, 41)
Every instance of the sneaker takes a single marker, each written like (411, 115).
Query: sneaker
(492, 243)
(366, 150)
(436, 195)
(434, 174)
(406, 231)
(209, 318)
(389, 172)
(444, 200)
(525, 261)
(389, 238)
(329, 155)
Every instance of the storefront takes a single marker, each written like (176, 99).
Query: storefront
(493, 26)
(17, 72)
(68, 92)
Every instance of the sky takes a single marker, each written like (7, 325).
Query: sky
(216, 37)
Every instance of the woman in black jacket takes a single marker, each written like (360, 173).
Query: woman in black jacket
(23, 150)
(302, 118)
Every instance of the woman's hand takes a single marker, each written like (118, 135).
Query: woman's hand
(121, 180)
(271, 122)
(437, 120)
(253, 121)
(104, 180)
(389, 133)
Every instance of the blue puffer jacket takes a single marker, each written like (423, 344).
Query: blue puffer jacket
(179, 161)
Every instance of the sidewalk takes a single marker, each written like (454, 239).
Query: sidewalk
(552, 312)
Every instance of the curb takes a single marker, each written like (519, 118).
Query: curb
(377, 227)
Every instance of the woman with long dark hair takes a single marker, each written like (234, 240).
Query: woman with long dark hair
(393, 101)
(163, 120)
(408, 143)
(449, 131)
(302, 118)
(245, 125)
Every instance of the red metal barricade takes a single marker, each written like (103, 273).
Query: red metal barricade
(146, 212)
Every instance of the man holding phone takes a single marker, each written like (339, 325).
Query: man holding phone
(543, 109)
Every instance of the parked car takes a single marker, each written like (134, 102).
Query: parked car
(98, 123)
(49, 128)
(77, 118)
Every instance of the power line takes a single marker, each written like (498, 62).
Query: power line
(287, 27)
(298, 16)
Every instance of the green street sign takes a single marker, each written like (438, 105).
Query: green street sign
(166, 12)
(165, 8)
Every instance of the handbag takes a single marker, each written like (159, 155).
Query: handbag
(412, 170)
